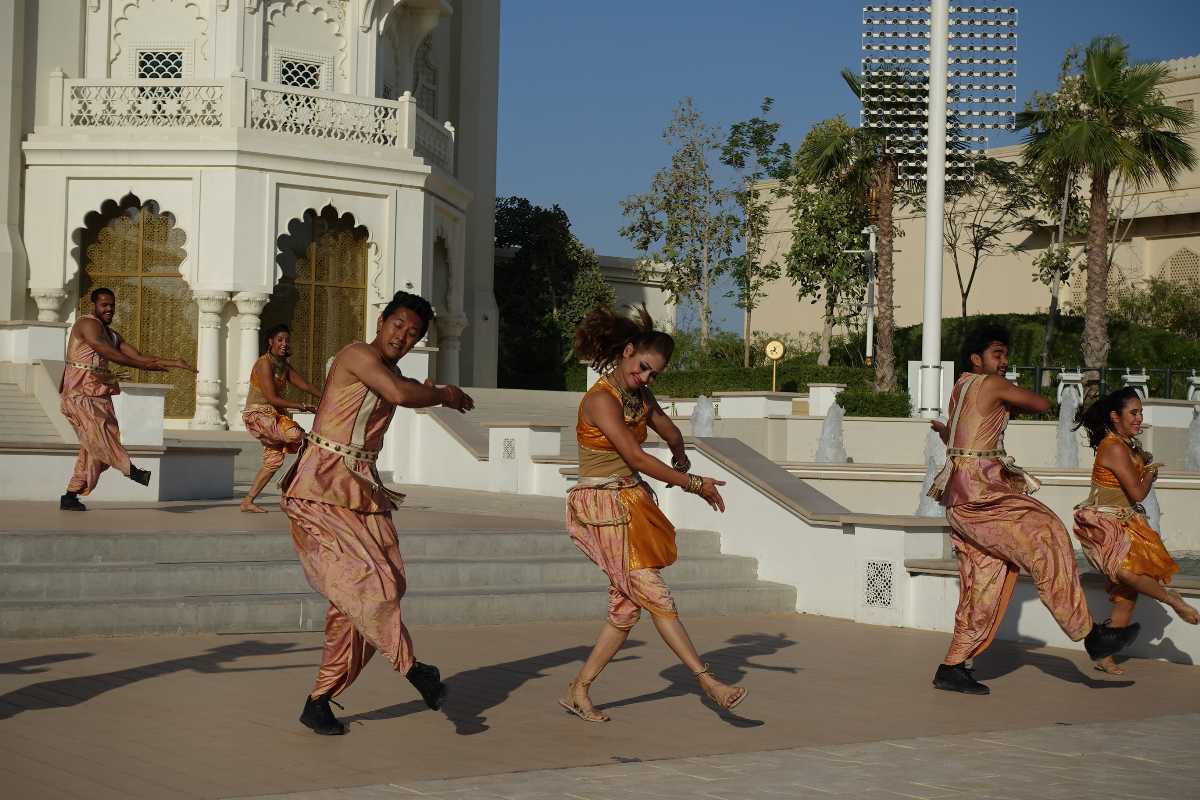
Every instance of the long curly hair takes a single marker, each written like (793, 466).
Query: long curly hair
(602, 336)
(1095, 418)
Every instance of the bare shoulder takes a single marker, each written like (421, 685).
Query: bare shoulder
(599, 404)
(89, 325)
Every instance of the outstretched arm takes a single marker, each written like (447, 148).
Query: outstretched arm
(365, 365)
(999, 390)
(160, 364)
(297, 380)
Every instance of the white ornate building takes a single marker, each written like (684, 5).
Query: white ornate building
(228, 164)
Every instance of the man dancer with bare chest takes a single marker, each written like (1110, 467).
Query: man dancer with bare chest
(997, 528)
(341, 514)
(88, 386)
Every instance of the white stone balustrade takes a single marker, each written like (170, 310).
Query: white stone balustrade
(240, 103)
(140, 408)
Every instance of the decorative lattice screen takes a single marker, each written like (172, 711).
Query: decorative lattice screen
(160, 64)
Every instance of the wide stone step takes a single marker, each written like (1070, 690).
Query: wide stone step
(108, 581)
(157, 547)
(303, 612)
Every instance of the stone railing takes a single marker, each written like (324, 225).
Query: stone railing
(144, 104)
(269, 107)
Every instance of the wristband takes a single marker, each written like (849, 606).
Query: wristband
(681, 464)
(694, 485)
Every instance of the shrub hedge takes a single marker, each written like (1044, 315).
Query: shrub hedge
(866, 402)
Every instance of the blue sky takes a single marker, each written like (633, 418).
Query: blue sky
(586, 88)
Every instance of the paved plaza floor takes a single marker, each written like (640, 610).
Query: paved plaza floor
(215, 717)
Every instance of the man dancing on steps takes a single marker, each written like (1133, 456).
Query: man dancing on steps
(87, 388)
(341, 514)
(997, 528)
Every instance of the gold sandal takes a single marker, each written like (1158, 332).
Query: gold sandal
(571, 705)
(728, 705)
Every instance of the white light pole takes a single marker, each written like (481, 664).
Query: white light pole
(959, 58)
(869, 304)
(935, 199)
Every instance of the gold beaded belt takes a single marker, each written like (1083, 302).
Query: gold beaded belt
(343, 449)
(962, 451)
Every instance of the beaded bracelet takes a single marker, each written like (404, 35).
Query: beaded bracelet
(694, 485)
(681, 464)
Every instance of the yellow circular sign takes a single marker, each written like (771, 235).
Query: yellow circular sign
(774, 349)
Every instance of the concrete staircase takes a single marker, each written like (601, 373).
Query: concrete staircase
(22, 419)
(75, 584)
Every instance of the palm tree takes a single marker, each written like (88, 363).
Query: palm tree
(864, 159)
(1109, 121)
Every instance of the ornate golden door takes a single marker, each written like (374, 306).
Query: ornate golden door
(330, 292)
(135, 250)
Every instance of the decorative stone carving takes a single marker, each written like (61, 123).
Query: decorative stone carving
(49, 303)
(123, 9)
(208, 360)
(332, 12)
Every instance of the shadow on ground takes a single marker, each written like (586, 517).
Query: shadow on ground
(66, 692)
(730, 664)
(473, 692)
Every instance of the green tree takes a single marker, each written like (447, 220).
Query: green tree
(1107, 120)
(866, 160)
(537, 279)
(750, 150)
(683, 225)
(827, 220)
(984, 207)
(590, 291)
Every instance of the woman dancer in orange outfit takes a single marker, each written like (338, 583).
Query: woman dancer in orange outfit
(266, 416)
(1111, 524)
(612, 514)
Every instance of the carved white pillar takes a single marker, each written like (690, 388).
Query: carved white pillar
(49, 303)
(249, 306)
(208, 360)
(449, 340)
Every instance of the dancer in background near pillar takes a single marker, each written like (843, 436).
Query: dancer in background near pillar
(341, 514)
(1111, 523)
(265, 415)
(997, 528)
(87, 388)
(611, 512)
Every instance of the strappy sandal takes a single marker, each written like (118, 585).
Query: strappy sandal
(728, 705)
(1113, 670)
(570, 704)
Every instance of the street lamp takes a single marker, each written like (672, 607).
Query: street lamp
(869, 303)
(930, 74)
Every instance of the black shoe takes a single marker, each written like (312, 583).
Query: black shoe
(141, 476)
(1104, 641)
(319, 717)
(958, 678)
(428, 681)
(70, 502)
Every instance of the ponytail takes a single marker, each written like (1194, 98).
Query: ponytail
(602, 336)
(1095, 418)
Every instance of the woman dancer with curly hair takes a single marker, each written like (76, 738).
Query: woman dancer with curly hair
(1111, 523)
(612, 513)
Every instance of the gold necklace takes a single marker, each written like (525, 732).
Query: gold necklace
(631, 405)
